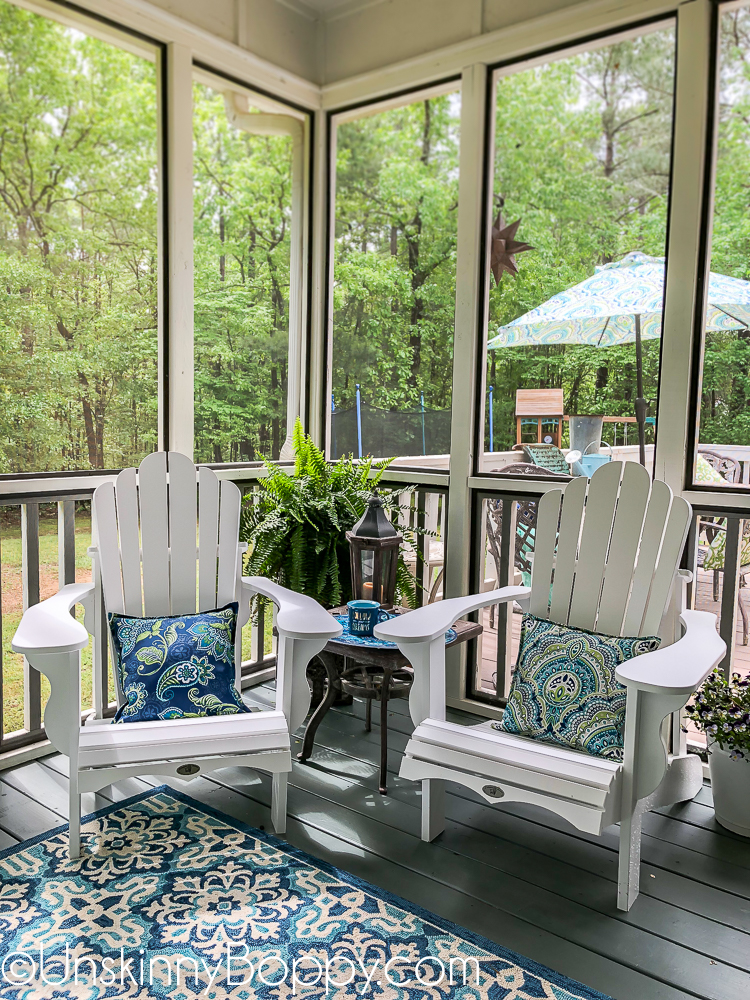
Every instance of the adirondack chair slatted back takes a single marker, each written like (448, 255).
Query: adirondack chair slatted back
(606, 561)
(167, 534)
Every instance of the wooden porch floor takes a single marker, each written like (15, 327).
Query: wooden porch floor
(521, 878)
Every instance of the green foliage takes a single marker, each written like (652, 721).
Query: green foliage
(78, 249)
(79, 184)
(296, 524)
(582, 158)
(395, 255)
(722, 710)
(725, 395)
(243, 186)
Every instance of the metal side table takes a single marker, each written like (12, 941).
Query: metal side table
(368, 668)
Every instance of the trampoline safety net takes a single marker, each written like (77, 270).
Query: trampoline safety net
(389, 433)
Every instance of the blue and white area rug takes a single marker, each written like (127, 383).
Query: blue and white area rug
(171, 899)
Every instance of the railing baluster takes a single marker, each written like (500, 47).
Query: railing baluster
(32, 689)
(100, 641)
(729, 589)
(66, 541)
(261, 666)
(505, 611)
(420, 569)
(259, 635)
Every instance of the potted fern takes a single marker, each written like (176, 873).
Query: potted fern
(722, 710)
(295, 525)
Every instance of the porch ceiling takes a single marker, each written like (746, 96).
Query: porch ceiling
(330, 41)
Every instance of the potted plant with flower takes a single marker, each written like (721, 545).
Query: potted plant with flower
(722, 710)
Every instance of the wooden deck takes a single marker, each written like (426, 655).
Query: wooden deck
(524, 879)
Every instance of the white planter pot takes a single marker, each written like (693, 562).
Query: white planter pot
(730, 784)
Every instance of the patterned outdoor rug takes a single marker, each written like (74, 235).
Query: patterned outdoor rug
(172, 899)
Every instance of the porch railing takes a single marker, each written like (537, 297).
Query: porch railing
(717, 552)
(28, 576)
(43, 543)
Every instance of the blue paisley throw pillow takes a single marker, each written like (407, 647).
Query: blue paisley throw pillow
(177, 668)
(564, 689)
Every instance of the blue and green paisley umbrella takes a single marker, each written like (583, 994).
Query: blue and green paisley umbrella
(601, 311)
(621, 303)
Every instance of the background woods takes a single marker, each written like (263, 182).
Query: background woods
(243, 194)
(394, 295)
(78, 196)
(582, 157)
(79, 188)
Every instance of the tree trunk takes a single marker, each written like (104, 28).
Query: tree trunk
(426, 137)
(88, 423)
(222, 258)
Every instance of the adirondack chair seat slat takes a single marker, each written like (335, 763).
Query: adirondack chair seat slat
(532, 755)
(127, 743)
(146, 564)
(497, 769)
(607, 556)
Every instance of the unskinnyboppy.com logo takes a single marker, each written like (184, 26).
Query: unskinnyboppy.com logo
(235, 967)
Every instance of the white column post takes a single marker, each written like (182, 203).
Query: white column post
(467, 344)
(684, 284)
(317, 425)
(180, 243)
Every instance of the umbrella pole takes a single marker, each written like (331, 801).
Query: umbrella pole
(640, 402)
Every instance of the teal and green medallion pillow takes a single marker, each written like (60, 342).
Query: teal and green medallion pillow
(564, 690)
(181, 667)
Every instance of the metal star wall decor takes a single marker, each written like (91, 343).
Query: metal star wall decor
(504, 247)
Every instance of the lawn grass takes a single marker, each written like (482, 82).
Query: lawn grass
(12, 600)
(12, 603)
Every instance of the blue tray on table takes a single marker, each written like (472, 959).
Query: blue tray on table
(370, 640)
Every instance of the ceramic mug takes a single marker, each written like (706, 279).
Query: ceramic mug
(364, 616)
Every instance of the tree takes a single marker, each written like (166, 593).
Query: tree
(242, 251)
(394, 293)
(78, 203)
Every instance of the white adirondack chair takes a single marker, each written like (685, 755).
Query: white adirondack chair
(611, 567)
(145, 563)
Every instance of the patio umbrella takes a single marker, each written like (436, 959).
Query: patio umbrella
(621, 303)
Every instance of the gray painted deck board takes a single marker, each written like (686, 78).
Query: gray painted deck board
(521, 878)
(448, 862)
(708, 866)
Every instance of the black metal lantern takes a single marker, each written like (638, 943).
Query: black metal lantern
(373, 546)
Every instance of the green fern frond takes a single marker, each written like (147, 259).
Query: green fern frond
(295, 525)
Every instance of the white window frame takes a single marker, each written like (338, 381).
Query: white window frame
(687, 255)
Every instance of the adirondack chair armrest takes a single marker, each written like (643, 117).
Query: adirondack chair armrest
(298, 616)
(48, 627)
(304, 629)
(428, 622)
(681, 668)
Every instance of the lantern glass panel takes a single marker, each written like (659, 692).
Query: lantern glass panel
(367, 563)
(388, 556)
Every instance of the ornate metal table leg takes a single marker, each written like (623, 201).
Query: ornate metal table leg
(316, 676)
(333, 688)
(385, 691)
